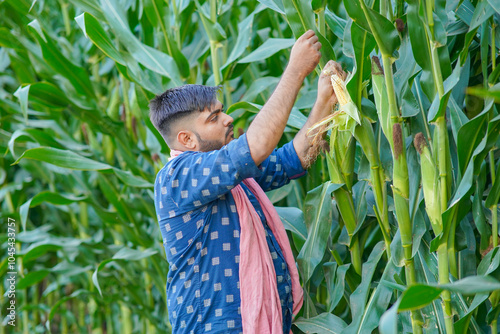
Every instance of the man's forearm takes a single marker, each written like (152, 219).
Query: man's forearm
(267, 128)
(306, 150)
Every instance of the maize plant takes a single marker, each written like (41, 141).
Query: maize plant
(394, 228)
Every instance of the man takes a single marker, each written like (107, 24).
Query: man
(218, 228)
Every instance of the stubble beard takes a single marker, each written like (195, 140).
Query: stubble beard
(212, 145)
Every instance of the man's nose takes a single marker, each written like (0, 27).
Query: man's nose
(228, 120)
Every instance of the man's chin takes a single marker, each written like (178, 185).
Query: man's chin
(210, 145)
(229, 139)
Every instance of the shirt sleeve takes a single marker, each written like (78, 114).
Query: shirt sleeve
(280, 167)
(197, 178)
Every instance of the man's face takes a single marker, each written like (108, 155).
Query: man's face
(213, 128)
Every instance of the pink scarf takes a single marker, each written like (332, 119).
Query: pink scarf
(260, 301)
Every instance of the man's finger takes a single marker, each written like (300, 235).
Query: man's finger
(313, 39)
(329, 65)
(309, 34)
(337, 67)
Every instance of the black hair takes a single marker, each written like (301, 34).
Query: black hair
(179, 102)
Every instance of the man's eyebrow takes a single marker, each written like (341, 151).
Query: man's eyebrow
(216, 111)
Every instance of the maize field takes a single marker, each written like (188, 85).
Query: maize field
(394, 228)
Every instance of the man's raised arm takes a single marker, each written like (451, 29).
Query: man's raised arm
(265, 131)
(326, 99)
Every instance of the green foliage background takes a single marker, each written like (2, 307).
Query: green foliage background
(80, 156)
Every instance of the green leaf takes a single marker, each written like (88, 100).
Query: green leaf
(489, 263)
(267, 49)
(72, 160)
(124, 253)
(69, 269)
(33, 277)
(318, 217)
(90, 6)
(381, 99)
(213, 29)
(457, 117)
(491, 93)
(35, 135)
(132, 180)
(8, 40)
(243, 105)
(389, 320)
(278, 194)
(293, 220)
(49, 197)
(383, 30)
(359, 297)
(48, 94)
(322, 323)
(478, 213)
(38, 249)
(243, 39)
(438, 107)
(469, 137)
(335, 23)
(473, 285)
(420, 47)
(296, 119)
(259, 87)
(300, 17)
(276, 5)
(417, 296)
(482, 12)
(379, 300)
(495, 4)
(99, 37)
(95, 279)
(61, 301)
(62, 158)
(463, 324)
(340, 281)
(22, 94)
(359, 43)
(151, 58)
(133, 254)
(57, 61)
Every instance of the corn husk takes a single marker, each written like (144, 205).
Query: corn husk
(346, 115)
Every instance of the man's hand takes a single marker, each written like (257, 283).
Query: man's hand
(306, 148)
(326, 94)
(305, 55)
(266, 129)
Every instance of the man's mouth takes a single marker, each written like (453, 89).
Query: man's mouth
(230, 132)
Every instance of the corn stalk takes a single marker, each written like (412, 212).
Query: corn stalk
(430, 183)
(340, 162)
(390, 119)
(446, 250)
(348, 120)
(366, 138)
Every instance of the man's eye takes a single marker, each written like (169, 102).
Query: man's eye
(214, 118)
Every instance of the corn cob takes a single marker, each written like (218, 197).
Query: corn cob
(430, 183)
(338, 84)
(346, 115)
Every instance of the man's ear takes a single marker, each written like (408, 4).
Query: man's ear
(187, 139)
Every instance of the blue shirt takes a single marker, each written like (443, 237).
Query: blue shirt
(200, 229)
